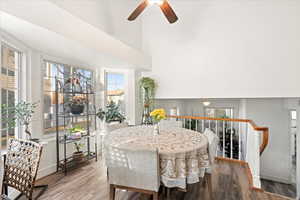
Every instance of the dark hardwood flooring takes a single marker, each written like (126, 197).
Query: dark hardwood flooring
(230, 182)
(288, 190)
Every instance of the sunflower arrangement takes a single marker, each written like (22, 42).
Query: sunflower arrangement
(158, 115)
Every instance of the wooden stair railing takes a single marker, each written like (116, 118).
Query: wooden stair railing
(264, 130)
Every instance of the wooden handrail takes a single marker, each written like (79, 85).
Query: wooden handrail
(265, 130)
(265, 134)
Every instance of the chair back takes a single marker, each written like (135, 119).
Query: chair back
(134, 168)
(21, 165)
(213, 141)
(112, 127)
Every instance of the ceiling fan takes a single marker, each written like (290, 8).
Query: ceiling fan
(164, 6)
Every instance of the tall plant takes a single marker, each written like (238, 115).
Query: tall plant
(147, 94)
(147, 90)
(21, 113)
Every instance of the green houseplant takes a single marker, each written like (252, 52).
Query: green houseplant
(21, 114)
(111, 114)
(147, 94)
(78, 155)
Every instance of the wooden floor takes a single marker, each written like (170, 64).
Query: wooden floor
(288, 190)
(230, 182)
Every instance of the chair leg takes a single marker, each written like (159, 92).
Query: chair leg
(155, 196)
(107, 175)
(168, 193)
(112, 192)
(5, 189)
(164, 192)
(43, 187)
(208, 180)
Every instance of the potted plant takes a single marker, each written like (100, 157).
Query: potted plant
(110, 117)
(21, 114)
(147, 94)
(76, 132)
(78, 155)
(111, 114)
(77, 104)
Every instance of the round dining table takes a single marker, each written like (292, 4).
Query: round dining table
(183, 153)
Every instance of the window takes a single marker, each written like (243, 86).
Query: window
(219, 112)
(10, 90)
(115, 89)
(62, 72)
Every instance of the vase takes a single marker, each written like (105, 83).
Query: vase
(156, 129)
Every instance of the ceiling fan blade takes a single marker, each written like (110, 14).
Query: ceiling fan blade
(138, 10)
(168, 12)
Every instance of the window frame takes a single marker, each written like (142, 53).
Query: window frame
(19, 78)
(125, 87)
(44, 60)
(103, 82)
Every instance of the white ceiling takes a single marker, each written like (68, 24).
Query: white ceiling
(33, 18)
(54, 44)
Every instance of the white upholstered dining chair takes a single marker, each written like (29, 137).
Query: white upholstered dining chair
(134, 170)
(109, 129)
(213, 142)
(112, 127)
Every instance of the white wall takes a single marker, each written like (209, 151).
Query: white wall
(225, 48)
(273, 113)
(195, 107)
(108, 15)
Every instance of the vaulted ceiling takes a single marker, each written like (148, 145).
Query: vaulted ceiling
(86, 26)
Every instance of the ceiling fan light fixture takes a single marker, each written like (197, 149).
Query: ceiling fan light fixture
(158, 2)
(164, 5)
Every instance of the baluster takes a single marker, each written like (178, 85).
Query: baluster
(216, 129)
(209, 124)
(224, 139)
(231, 144)
(183, 122)
(202, 126)
(190, 124)
(239, 140)
(196, 125)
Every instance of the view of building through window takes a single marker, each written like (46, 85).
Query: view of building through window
(116, 89)
(11, 64)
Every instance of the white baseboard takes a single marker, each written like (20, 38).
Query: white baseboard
(46, 171)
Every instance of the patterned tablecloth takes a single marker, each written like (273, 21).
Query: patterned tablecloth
(183, 153)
